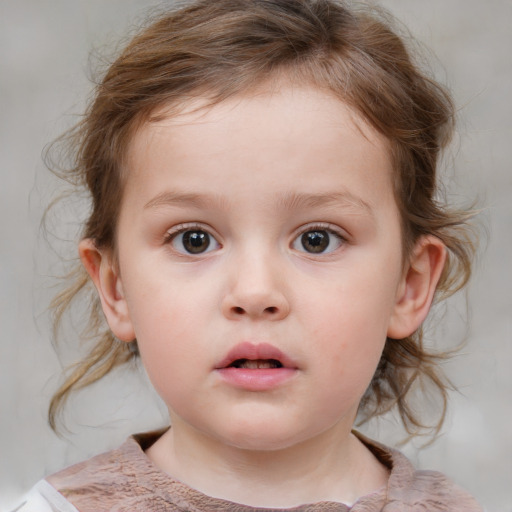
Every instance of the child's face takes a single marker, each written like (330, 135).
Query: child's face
(263, 228)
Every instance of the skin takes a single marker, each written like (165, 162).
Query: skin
(255, 173)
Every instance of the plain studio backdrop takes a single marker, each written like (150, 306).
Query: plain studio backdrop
(44, 64)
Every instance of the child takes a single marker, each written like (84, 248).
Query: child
(265, 233)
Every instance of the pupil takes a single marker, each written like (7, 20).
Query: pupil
(315, 241)
(196, 242)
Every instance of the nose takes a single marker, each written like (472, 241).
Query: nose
(256, 291)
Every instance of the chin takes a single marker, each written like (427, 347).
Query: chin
(266, 436)
(262, 443)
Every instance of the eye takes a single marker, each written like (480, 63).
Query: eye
(318, 241)
(193, 241)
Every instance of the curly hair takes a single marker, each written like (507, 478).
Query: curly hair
(225, 48)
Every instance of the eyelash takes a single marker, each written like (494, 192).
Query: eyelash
(321, 227)
(171, 237)
(182, 228)
(333, 231)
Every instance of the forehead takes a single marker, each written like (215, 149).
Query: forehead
(292, 135)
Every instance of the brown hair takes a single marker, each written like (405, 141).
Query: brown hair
(227, 47)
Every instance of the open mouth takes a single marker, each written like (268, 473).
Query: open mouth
(256, 364)
(256, 367)
(250, 356)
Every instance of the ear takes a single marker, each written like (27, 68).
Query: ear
(418, 286)
(101, 268)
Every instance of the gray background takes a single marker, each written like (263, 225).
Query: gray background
(44, 47)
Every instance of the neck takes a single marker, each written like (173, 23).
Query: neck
(334, 466)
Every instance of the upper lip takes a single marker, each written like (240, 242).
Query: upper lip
(252, 351)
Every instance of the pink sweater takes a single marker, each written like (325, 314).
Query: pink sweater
(126, 480)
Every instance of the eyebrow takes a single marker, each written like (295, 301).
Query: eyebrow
(290, 201)
(169, 198)
(300, 201)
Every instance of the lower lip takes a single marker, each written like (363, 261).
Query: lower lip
(257, 379)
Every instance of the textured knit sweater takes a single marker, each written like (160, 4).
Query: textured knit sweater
(126, 480)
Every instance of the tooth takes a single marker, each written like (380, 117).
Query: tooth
(254, 364)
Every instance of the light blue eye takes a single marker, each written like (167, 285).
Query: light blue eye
(317, 241)
(194, 241)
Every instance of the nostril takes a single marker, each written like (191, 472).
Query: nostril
(272, 310)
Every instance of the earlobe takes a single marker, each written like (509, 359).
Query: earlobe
(418, 286)
(100, 267)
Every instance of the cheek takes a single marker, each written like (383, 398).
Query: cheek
(352, 350)
(160, 304)
(164, 323)
(349, 330)
(174, 363)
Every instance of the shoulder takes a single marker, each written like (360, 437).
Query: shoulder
(120, 479)
(432, 491)
(418, 490)
(45, 498)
